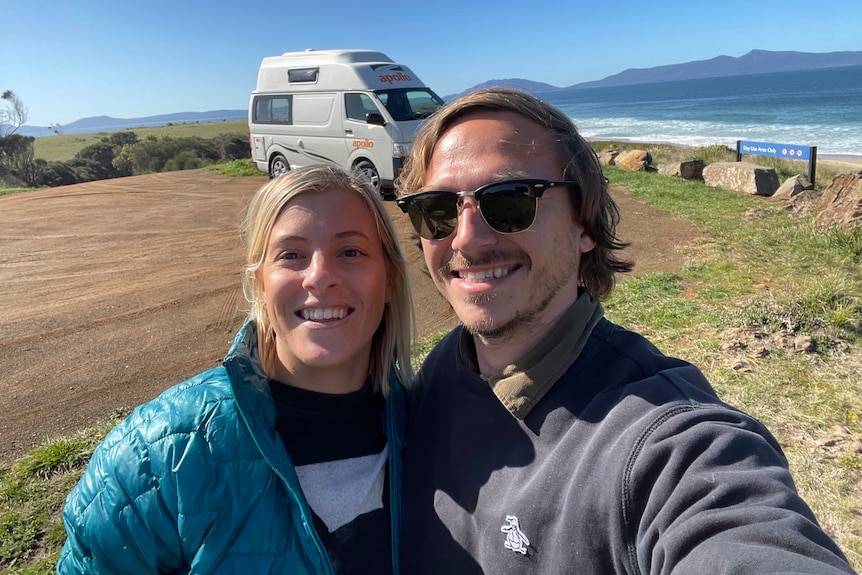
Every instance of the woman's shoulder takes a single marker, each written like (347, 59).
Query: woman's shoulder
(180, 410)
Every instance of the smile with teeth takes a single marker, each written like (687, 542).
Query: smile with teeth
(317, 314)
(482, 275)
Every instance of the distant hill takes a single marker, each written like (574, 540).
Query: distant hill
(529, 85)
(110, 124)
(755, 62)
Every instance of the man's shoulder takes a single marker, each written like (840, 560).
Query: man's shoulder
(617, 362)
(616, 346)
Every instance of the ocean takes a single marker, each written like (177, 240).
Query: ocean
(820, 108)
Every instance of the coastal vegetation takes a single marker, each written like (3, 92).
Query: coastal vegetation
(670, 153)
(58, 160)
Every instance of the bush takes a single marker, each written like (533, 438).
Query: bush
(186, 160)
(120, 154)
(121, 139)
(59, 174)
(232, 147)
(102, 153)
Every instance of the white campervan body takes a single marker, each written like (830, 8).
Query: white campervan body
(353, 108)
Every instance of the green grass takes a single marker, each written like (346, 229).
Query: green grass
(4, 191)
(760, 272)
(63, 147)
(236, 168)
(756, 271)
(32, 494)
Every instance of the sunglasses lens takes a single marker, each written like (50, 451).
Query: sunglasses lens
(509, 208)
(434, 215)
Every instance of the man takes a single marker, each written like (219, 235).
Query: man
(542, 438)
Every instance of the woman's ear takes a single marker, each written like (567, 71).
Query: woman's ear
(258, 282)
(389, 290)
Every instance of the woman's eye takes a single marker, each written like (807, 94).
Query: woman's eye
(288, 256)
(352, 252)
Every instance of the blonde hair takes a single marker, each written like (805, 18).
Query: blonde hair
(593, 205)
(393, 339)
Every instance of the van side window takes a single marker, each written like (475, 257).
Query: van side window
(272, 110)
(357, 106)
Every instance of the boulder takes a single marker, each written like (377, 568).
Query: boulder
(742, 177)
(607, 156)
(687, 170)
(793, 186)
(634, 161)
(840, 205)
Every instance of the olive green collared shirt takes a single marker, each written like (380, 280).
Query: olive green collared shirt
(522, 384)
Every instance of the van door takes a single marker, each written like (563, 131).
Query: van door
(316, 131)
(369, 146)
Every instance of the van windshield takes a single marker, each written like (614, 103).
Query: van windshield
(409, 103)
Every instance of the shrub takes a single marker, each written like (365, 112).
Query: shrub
(186, 160)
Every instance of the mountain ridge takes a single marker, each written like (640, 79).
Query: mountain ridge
(754, 62)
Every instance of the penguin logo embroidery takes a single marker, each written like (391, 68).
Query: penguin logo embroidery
(515, 538)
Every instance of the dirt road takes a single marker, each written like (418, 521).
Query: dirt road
(118, 289)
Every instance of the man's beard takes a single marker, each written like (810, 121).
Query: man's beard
(550, 282)
(488, 330)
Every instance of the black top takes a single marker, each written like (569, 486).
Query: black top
(337, 444)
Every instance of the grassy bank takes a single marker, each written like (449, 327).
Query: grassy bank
(760, 287)
(757, 287)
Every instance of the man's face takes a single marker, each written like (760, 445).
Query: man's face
(504, 285)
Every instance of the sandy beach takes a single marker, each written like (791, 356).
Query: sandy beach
(842, 162)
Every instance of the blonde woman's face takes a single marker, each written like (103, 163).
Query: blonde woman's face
(324, 285)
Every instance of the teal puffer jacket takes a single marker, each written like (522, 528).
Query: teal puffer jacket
(198, 481)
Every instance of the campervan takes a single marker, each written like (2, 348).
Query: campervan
(353, 108)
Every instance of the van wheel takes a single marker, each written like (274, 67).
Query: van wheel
(278, 166)
(370, 172)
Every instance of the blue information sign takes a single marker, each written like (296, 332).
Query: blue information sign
(786, 151)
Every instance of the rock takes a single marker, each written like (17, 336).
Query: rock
(608, 156)
(634, 161)
(687, 170)
(793, 186)
(804, 344)
(800, 205)
(840, 205)
(742, 177)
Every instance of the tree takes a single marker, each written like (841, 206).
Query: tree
(13, 113)
(17, 160)
(102, 153)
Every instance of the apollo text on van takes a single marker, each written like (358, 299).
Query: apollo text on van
(353, 108)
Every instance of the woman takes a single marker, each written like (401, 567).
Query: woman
(286, 458)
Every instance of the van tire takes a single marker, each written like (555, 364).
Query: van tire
(278, 166)
(370, 172)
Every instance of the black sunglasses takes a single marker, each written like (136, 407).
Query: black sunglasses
(507, 207)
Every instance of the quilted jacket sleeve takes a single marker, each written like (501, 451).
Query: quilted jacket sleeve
(117, 519)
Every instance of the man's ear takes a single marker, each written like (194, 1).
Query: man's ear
(586, 243)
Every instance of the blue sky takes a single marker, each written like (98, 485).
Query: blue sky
(69, 60)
